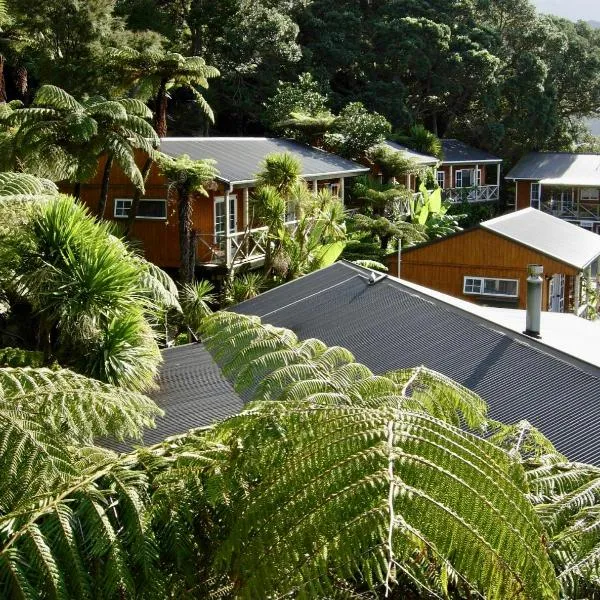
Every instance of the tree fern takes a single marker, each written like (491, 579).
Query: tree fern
(23, 187)
(567, 498)
(354, 477)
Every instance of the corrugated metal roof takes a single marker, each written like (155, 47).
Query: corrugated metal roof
(550, 235)
(392, 325)
(418, 157)
(192, 392)
(239, 159)
(457, 152)
(558, 168)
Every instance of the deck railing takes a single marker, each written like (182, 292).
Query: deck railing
(240, 247)
(480, 193)
(568, 209)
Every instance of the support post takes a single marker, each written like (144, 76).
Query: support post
(451, 177)
(315, 187)
(399, 258)
(516, 193)
(227, 233)
(342, 191)
(246, 204)
(498, 178)
(577, 293)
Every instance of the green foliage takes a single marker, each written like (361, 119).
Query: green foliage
(196, 299)
(422, 140)
(244, 287)
(392, 164)
(15, 187)
(304, 98)
(357, 507)
(186, 173)
(90, 299)
(280, 171)
(371, 264)
(153, 74)
(18, 357)
(61, 138)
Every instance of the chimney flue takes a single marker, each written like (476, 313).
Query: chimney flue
(535, 283)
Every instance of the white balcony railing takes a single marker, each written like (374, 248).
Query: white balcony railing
(240, 247)
(481, 193)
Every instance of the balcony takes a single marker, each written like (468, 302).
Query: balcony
(481, 193)
(237, 248)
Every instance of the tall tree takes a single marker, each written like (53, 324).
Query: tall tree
(188, 178)
(63, 139)
(154, 74)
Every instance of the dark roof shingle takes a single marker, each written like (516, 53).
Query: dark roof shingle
(390, 326)
(239, 159)
(456, 152)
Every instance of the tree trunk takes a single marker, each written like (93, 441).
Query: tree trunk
(2, 80)
(184, 201)
(160, 117)
(21, 83)
(136, 197)
(77, 190)
(104, 187)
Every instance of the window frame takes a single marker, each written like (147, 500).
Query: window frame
(218, 236)
(443, 178)
(594, 198)
(482, 291)
(139, 217)
(533, 201)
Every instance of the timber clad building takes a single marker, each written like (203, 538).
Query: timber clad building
(225, 229)
(465, 173)
(563, 184)
(488, 263)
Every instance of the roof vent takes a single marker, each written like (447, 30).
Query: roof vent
(535, 281)
(376, 277)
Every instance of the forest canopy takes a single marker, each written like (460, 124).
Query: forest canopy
(492, 72)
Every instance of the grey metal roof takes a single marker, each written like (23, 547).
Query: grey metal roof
(392, 325)
(550, 235)
(558, 168)
(239, 159)
(457, 152)
(418, 157)
(192, 392)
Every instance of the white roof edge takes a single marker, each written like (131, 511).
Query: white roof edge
(481, 313)
(529, 209)
(472, 162)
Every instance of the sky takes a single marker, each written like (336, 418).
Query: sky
(586, 10)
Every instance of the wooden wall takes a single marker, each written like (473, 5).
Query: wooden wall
(159, 238)
(523, 194)
(443, 265)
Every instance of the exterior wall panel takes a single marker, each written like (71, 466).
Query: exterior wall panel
(443, 265)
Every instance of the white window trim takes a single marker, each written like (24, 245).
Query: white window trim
(535, 202)
(594, 198)
(482, 286)
(437, 178)
(138, 217)
(221, 200)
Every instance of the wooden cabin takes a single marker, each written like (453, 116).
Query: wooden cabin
(563, 184)
(227, 234)
(468, 174)
(488, 263)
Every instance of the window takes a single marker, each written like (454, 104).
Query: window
(220, 216)
(590, 195)
(147, 208)
(441, 178)
(334, 188)
(491, 287)
(534, 198)
(464, 178)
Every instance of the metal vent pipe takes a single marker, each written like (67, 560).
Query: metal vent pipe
(535, 285)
